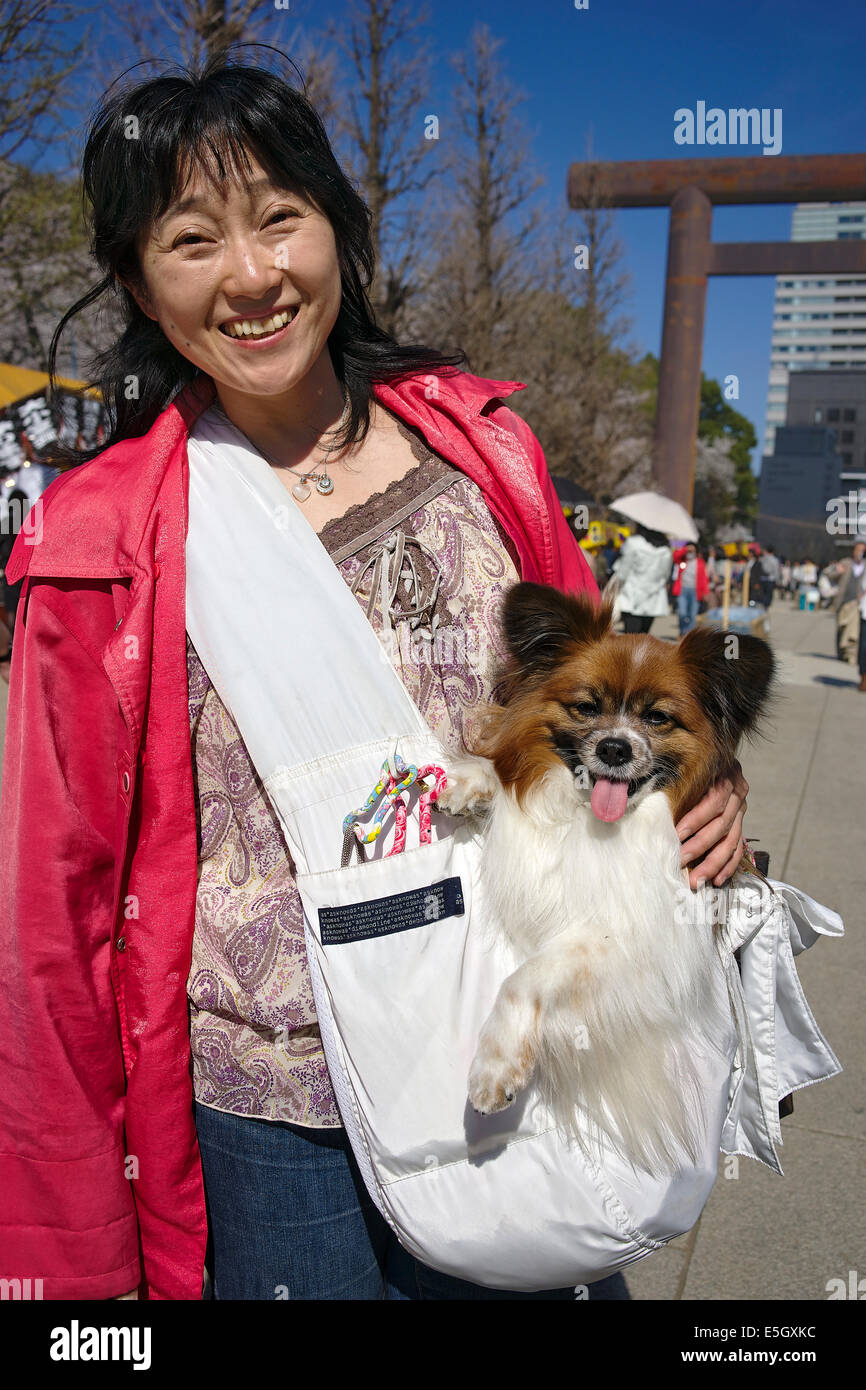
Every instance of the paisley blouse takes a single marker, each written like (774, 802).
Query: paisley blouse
(429, 566)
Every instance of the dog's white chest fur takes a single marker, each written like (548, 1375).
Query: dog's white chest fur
(556, 867)
(616, 973)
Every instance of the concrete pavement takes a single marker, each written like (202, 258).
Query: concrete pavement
(762, 1236)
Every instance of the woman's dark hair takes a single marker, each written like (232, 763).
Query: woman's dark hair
(144, 144)
(655, 538)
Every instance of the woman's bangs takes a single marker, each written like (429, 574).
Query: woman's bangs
(223, 152)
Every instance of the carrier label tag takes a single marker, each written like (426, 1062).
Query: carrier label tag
(398, 912)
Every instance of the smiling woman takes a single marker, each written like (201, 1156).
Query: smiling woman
(225, 213)
(178, 1025)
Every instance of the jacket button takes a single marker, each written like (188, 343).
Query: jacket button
(125, 780)
(121, 943)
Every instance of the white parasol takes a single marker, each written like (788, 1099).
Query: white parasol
(657, 513)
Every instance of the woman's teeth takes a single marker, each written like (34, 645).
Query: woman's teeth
(256, 328)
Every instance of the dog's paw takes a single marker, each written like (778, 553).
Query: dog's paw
(470, 787)
(495, 1082)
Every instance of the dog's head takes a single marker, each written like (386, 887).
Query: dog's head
(626, 714)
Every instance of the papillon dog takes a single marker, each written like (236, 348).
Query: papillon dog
(600, 744)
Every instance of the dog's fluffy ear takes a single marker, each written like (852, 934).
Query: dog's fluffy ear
(541, 624)
(735, 675)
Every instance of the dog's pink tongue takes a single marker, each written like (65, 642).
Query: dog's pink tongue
(609, 799)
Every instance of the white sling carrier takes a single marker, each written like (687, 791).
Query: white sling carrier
(401, 980)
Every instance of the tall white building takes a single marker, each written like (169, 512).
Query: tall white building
(819, 321)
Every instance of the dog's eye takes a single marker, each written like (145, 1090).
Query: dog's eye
(657, 717)
(585, 709)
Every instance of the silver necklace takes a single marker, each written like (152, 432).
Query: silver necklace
(301, 489)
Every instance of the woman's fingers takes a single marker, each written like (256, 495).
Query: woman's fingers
(711, 832)
(714, 871)
(720, 861)
(714, 831)
(707, 809)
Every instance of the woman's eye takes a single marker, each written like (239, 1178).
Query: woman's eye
(283, 215)
(189, 239)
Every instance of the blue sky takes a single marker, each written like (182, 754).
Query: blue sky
(619, 70)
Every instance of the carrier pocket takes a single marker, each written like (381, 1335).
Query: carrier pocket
(379, 931)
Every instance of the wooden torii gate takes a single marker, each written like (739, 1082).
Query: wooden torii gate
(691, 187)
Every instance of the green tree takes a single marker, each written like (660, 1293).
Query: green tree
(717, 419)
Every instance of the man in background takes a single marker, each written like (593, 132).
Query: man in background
(850, 577)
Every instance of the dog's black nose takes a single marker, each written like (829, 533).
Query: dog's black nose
(614, 751)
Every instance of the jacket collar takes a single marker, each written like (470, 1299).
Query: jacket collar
(108, 503)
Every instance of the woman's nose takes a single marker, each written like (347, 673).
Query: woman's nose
(250, 270)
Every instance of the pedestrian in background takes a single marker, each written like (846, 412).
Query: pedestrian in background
(785, 577)
(738, 569)
(766, 572)
(690, 585)
(642, 569)
(851, 579)
(714, 574)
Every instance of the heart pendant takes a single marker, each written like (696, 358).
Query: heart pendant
(324, 484)
(301, 491)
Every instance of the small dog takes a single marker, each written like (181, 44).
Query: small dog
(601, 743)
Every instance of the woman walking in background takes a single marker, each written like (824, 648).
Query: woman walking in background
(643, 568)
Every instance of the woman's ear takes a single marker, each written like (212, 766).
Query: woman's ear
(138, 290)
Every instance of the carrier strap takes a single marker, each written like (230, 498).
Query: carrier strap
(287, 646)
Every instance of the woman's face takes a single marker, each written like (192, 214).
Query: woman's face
(213, 264)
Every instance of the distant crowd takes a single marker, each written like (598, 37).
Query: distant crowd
(769, 575)
(652, 579)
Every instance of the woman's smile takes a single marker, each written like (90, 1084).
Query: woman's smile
(260, 331)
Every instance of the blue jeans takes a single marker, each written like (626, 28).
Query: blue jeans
(289, 1218)
(687, 609)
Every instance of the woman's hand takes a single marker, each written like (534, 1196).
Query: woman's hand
(712, 831)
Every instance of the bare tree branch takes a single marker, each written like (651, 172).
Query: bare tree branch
(390, 64)
(38, 54)
(481, 265)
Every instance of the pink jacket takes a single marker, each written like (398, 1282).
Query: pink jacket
(702, 583)
(100, 1178)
